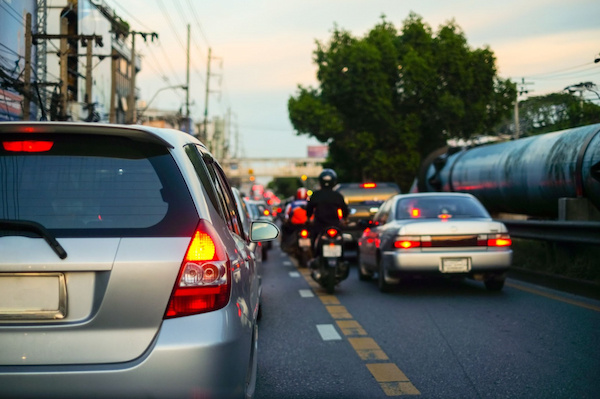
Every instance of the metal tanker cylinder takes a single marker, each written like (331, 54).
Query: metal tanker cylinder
(526, 176)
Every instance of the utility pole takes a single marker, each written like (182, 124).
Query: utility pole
(64, 68)
(204, 129)
(88, 77)
(27, 71)
(131, 98)
(187, 81)
(131, 115)
(520, 91)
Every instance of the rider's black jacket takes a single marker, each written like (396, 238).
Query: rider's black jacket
(324, 204)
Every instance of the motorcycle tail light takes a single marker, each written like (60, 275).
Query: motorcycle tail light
(204, 280)
(332, 232)
(304, 233)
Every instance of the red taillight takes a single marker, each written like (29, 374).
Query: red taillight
(332, 232)
(408, 242)
(502, 241)
(444, 216)
(340, 213)
(266, 212)
(203, 283)
(369, 185)
(415, 213)
(303, 233)
(27, 146)
(494, 240)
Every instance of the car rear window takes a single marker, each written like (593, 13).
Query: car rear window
(436, 207)
(358, 194)
(94, 185)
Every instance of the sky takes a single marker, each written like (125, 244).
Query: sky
(261, 50)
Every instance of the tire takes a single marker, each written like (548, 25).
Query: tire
(303, 259)
(381, 283)
(330, 282)
(363, 275)
(494, 283)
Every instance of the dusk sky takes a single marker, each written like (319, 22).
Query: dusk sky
(263, 50)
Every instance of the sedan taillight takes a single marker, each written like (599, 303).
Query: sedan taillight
(498, 240)
(203, 283)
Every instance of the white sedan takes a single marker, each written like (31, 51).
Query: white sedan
(434, 234)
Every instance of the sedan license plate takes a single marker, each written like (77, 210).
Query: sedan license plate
(32, 296)
(332, 251)
(304, 242)
(455, 265)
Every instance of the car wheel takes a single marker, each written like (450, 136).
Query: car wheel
(252, 367)
(494, 283)
(384, 286)
(363, 274)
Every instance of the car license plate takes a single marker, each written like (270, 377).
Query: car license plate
(29, 296)
(455, 265)
(304, 242)
(332, 251)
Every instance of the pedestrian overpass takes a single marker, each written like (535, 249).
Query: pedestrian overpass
(241, 169)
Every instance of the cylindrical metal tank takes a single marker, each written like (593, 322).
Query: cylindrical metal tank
(525, 176)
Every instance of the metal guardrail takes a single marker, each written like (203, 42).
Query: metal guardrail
(564, 231)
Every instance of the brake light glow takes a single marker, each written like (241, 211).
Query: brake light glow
(408, 242)
(499, 240)
(266, 212)
(444, 216)
(204, 280)
(332, 232)
(415, 212)
(340, 214)
(303, 233)
(369, 185)
(27, 146)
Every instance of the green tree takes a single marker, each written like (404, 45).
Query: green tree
(555, 111)
(391, 97)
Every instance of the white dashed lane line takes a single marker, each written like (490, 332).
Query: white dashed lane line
(306, 293)
(328, 332)
(294, 274)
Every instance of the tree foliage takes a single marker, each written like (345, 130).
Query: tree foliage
(388, 99)
(556, 111)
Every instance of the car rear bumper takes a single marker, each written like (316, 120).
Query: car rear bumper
(195, 356)
(431, 262)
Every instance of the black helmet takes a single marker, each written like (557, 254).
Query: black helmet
(328, 178)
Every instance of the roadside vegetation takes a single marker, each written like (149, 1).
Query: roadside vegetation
(388, 99)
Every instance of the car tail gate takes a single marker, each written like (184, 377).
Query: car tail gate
(94, 227)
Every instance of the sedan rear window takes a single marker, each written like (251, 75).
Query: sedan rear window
(440, 207)
(93, 185)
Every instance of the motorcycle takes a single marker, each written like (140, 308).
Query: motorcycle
(303, 247)
(329, 267)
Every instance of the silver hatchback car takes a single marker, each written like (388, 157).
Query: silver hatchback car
(125, 269)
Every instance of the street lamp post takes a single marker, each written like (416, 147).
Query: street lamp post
(141, 113)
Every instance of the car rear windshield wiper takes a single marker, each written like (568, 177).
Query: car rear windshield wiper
(34, 227)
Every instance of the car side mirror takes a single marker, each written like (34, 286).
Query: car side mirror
(263, 231)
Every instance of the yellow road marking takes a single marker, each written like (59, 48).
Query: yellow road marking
(386, 372)
(555, 297)
(391, 379)
(338, 312)
(329, 299)
(399, 388)
(351, 327)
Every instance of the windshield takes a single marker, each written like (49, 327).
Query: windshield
(440, 207)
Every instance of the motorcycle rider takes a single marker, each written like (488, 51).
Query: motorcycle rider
(294, 218)
(328, 206)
